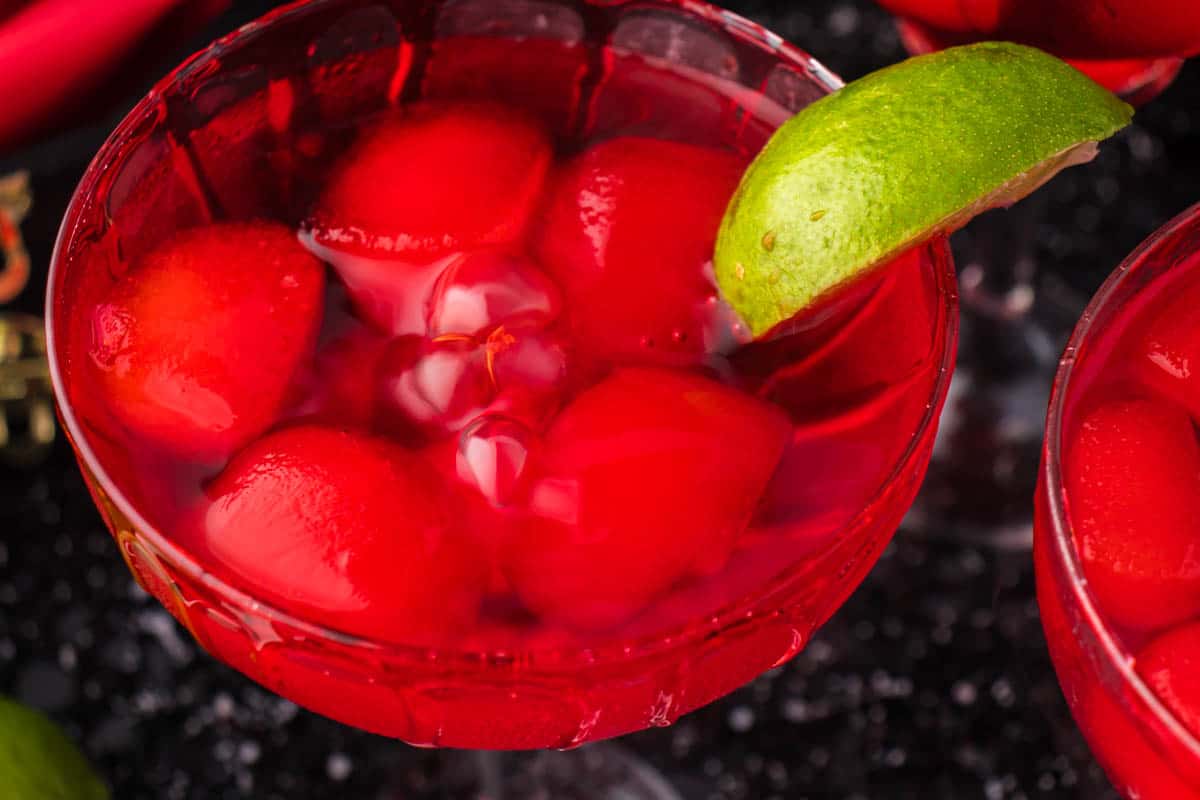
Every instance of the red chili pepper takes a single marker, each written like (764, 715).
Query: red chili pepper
(53, 53)
(15, 201)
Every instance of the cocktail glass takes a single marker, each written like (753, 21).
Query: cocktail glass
(1145, 749)
(858, 447)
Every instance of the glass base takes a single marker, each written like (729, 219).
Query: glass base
(1015, 320)
(602, 771)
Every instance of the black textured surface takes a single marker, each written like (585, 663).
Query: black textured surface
(932, 682)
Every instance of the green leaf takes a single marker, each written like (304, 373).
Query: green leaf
(38, 762)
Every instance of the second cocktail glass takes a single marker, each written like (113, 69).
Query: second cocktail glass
(1116, 547)
(1134, 48)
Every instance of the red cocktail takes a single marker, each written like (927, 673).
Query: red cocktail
(387, 337)
(1133, 48)
(1116, 535)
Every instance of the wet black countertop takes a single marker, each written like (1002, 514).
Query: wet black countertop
(932, 682)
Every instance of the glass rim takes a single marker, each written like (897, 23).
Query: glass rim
(644, 646)
(1115, 655)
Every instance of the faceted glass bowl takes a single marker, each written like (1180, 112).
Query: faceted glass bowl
(467, 698)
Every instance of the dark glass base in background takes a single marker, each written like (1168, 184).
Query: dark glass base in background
(1015, 319)
(601, 771)
(932, 682)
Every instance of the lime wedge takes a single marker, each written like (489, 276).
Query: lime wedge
(895, 158)
(38, 763)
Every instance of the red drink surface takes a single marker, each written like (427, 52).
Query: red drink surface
(528, 466)
(1130, 498)
(1132, 48)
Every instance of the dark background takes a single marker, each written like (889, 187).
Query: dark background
(932, 682)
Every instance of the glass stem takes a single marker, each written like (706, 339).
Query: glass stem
(490, 764)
